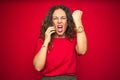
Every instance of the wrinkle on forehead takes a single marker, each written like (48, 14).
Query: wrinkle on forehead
(59, 13)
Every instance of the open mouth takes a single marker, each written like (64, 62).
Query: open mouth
(59, 28)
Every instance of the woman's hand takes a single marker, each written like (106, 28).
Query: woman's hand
(81, 46)
(48, 33)
(40, 57)
(77, 16)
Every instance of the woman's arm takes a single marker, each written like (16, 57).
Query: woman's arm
(40, 58)
(81, 46)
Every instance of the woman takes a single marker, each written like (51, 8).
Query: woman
(62, 38)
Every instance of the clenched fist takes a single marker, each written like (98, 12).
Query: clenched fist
(77, 15)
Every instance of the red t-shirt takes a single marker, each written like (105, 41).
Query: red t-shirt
(61, 59)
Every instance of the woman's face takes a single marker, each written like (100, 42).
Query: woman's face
(59, 20)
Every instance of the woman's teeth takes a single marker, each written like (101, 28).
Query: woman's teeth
(60, 28)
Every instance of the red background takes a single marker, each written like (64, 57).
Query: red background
(19, 30)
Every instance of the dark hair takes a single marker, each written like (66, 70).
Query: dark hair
(70, 31)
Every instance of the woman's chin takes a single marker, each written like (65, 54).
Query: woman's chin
(60, 34)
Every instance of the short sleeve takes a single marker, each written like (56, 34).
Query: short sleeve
(38, 45)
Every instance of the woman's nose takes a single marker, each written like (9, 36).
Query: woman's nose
(59, 20)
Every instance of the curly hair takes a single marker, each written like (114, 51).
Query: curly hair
(70, 31)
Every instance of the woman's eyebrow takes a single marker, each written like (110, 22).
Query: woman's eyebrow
(57, 16)
(64, 16)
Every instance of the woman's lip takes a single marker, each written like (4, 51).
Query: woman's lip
(59, 26)
(60, 30)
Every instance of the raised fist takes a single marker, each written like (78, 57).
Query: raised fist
(77, 15)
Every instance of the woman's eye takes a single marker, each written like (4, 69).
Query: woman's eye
(63, 17)
(54, 18)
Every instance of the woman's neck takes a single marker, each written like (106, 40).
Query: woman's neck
(59, 36)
